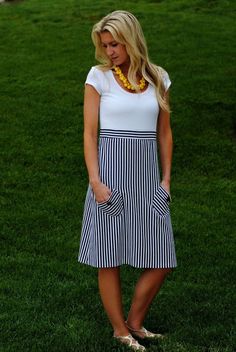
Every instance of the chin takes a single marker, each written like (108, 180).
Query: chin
(119, 63)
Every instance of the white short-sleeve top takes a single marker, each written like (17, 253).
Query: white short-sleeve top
(122, 110)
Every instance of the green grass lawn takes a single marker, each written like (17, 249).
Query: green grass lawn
(48, 301)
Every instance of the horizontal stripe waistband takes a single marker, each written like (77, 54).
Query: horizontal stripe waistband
(127, 134)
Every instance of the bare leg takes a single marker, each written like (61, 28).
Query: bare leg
(146, 289)
(110, 291)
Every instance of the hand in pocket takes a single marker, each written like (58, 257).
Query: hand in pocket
(101, 192)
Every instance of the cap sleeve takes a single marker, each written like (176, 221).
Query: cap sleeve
(94, 79)
(166, 80)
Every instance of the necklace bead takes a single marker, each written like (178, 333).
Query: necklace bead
(126, 83)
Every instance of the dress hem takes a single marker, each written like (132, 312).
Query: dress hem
(130, 264)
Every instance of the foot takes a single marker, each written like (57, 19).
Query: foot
(131, 342)
(144, 333)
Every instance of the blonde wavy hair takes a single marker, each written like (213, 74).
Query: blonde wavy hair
(126, 29)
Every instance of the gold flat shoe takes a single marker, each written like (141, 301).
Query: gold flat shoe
(144, 333)
(131, 342)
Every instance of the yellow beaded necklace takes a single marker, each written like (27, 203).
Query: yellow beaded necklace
(125, 81)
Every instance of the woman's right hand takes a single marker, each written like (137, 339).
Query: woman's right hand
(101, 191)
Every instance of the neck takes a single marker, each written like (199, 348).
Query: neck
(125, 68)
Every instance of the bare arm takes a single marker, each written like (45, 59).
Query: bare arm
(91, 112)
(166, 146)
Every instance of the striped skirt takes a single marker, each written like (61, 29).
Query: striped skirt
(133, 226)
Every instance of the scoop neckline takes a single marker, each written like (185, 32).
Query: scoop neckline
(125, 91)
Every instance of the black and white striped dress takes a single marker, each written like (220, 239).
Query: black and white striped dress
(133, 226)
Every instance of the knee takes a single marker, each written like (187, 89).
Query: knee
(162, 272)
(109, 270)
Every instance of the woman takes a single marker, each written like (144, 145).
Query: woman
(126, 214)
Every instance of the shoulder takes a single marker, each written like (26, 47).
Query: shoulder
(165, 77)
(98, 70)
(97, 78)
(97, 73)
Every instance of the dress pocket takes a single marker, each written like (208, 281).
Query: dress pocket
(160, 202)
(114, 205)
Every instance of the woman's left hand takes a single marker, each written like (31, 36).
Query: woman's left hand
(166, 185)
